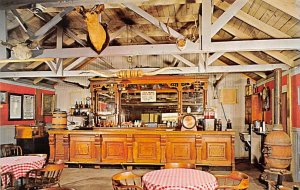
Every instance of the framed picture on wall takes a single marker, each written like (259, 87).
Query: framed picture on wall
(15, 107)
(48, 102)
(3, 97)
(28, 106)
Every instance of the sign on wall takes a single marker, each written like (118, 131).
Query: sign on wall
(28, 106)
(148, 96)
(15, 107)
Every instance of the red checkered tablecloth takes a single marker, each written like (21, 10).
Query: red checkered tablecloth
(179, 179)
(19, 165)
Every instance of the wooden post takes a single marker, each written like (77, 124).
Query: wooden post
(52, 148)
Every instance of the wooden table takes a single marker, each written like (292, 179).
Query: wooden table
(20, 165)
(179, 179)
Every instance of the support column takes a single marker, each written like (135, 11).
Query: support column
(3, 34)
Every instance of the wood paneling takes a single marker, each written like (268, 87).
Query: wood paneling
(180, 149)
(146, 149)
(149, 146)
(216, 150)
(59, 150)
(114, 148)
(82, 148)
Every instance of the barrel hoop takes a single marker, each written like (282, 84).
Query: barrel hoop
(281, 158)
(58, 117)
(278, 144)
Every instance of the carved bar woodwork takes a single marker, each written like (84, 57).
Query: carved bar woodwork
(114, 148)
(129, 147)
(198, 148)
(163, 143)
(52, 147)
(216, 150)
(146, 149)
(66, 145)
(82, 149)
(180, 149)
(143, 146)
(98, 143)
(59, 148)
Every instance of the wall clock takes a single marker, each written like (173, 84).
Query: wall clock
(266, 99)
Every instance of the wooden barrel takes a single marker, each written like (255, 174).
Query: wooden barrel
(59, 120)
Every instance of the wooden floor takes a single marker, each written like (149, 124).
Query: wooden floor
(100, 179)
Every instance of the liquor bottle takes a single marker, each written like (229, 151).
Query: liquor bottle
(76, 105)
(229, 125)
(86, 105)
(248, 88)
(80, 105)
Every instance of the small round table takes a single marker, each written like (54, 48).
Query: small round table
(20, 165)
(179, 179)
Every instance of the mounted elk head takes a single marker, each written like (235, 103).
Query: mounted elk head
(97, 32)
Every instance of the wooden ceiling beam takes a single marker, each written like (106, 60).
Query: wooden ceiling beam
(252, 21)
(290, 7)
(56, 19)
(114, 3)
(227, 15)
(242, 35)
(154, 21)
(240, 62)
(152, 41)
(161, 49)
(206, 24)
(3, 34)
(170, 70)
(253, 58)
(75, 63)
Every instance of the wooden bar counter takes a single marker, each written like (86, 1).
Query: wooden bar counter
(142, 146)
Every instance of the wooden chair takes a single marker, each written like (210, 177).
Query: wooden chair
(126, 181)
(235, 180)
(11, 150)
(180, 165)
(43, 178)
(7, 181)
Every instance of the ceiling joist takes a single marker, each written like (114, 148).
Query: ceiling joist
(174, 70)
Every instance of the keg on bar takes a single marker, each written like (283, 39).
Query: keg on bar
(59, 120)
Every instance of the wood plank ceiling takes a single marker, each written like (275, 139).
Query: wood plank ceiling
(137, 28)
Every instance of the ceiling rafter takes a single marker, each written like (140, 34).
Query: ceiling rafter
(290, 7)
(261, 26)
(206, 24)
(172, 70)
(227, 15)
(56, 19)
(152, 41)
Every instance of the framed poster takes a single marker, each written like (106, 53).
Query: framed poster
(3, 97)
(48, 102)
(15, 107)
(148, 96)
(28, 106)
